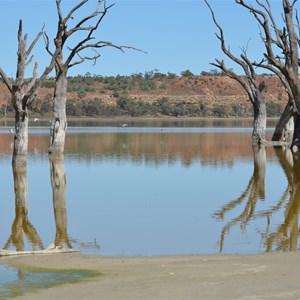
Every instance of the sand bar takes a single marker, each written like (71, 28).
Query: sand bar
(267, 276)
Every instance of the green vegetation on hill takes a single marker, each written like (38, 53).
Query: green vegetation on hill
(152, 94)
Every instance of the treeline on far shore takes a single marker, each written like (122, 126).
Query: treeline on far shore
(126, 106)
(97, 96)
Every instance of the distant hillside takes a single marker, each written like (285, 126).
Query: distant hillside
(156, 94)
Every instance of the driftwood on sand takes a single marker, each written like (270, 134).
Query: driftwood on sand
(50, 250)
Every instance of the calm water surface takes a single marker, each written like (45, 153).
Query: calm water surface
(150, 188)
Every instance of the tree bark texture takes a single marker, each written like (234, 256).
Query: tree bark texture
(21, 132)
(260, 121)
(296, 138)
(59, 119)
(284, 129)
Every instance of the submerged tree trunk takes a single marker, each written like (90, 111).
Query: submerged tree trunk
(260, 121)
(285, 127)
(59, 119)
(296, 137)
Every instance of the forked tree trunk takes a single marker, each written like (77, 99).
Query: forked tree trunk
(24, 92)
(59, 119)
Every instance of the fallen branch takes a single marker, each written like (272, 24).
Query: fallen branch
(274, 143)
(49, 250)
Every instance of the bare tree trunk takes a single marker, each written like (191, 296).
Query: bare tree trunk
(24, 92)
(285, 126)
(260, 121)
(289, 131)
(59, 119)
(77, 54)
(21, 136)
(59, 183)
(296, 137)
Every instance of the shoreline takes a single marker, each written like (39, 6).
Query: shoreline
(212, 276)
(150, 118)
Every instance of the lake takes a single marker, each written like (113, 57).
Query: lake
(150, 188)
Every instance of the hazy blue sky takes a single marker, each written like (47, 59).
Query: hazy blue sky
(177, 35)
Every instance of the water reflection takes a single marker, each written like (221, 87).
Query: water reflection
(22, 227)
(59, 184)
(254, 191)
(285, 235)
(158, 188)
(168, 122)
(213, 147)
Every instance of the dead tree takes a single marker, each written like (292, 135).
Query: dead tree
(281, 50)
(76, 55)
(254, 88)
(24, 92)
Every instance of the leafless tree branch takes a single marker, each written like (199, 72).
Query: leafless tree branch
(244, 62)
(6, 80)
(84, 43)
(47, 43)
(263, 21)
(34, 78)
(71, 12)
(33, 43)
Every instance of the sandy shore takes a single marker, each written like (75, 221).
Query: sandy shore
(268, 276)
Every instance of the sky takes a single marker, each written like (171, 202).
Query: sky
(176, 35)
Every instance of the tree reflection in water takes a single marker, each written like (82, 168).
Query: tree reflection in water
(59, 183)
(285, 236)
(21, 226)
(255, 190)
